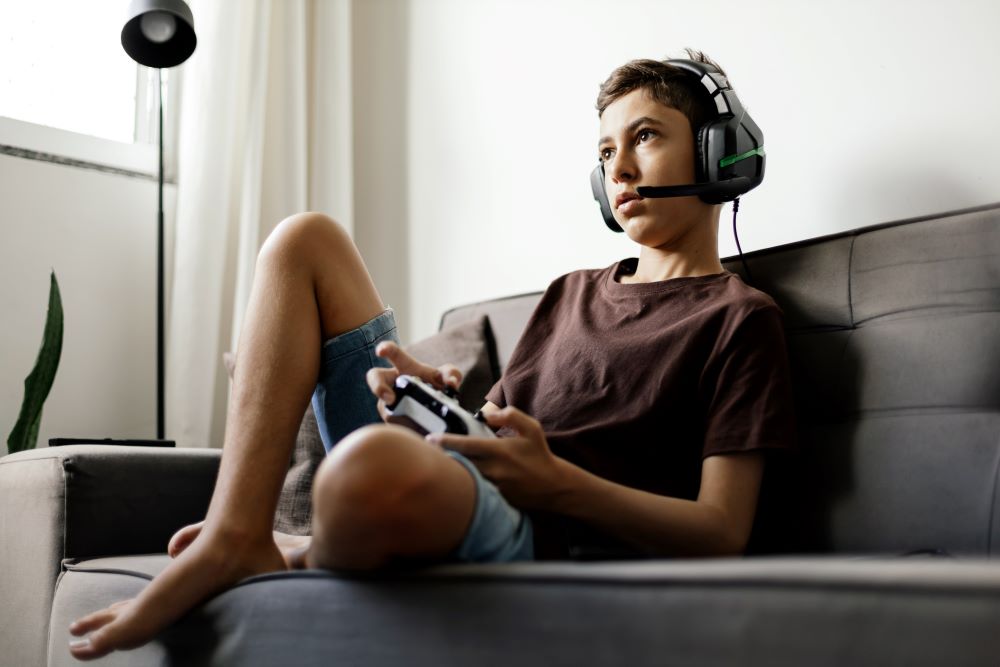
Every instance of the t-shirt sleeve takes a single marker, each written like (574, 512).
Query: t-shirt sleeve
(496, 395)
(747, 389)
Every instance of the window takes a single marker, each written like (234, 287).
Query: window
(63, 66)
(67, 87)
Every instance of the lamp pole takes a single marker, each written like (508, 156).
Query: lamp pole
(159, 272)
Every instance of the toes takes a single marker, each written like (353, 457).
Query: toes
(98, 644)
(90, 647)
(85, 649)
(92, 622)
(110, 629)
(98, 619)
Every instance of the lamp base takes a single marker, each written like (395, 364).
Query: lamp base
(59, 442)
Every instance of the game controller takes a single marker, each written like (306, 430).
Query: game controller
(424, 409)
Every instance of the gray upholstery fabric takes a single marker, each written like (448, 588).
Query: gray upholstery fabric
(809, 281)
(507, 318)
(32, 514)
(899, 397)
(778, 611)
(82, 501)
(944, 265)
(77, 596)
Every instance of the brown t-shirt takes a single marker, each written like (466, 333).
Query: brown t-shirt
(638, 383)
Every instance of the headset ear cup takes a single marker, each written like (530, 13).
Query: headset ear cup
(601, 196)
(701, 168)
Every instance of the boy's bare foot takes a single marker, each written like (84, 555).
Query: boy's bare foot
(292, 547)
(202, 568)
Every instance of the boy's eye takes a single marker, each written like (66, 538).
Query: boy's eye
(606, 154)
(645, 135)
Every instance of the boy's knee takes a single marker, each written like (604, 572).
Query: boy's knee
(304, 235)
(372, 476)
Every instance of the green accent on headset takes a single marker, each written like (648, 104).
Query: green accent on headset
(732, 159)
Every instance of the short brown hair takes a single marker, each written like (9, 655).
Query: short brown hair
(668, 85)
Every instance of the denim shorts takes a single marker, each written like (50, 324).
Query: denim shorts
(343, 403)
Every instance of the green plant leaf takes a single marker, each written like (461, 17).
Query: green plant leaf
(38, 383)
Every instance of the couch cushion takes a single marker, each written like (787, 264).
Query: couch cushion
(808, 279)
(898, 398)
(507, 317)
(818, 611)
(943, 265)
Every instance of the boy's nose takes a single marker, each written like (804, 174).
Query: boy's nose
(623, 170)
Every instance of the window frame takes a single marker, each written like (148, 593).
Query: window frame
(139, 159)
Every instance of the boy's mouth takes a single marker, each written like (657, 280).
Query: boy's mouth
(625, 197)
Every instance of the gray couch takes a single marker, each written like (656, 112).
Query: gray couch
(872, 547)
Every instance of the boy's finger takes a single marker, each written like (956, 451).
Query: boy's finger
(381, 381)
(452, 376)
(406, 364)
(515, 419)
(473, 448)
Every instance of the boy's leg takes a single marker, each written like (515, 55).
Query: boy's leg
(310, 284)
(384, 494)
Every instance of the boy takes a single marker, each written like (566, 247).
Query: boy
(635, 408)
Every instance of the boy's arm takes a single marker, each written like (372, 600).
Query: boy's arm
(718, 523)
(530, 477)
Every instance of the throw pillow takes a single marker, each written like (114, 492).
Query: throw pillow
(469, 346)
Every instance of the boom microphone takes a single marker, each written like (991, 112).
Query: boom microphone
(728, 189)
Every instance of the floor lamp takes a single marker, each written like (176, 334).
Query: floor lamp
(159, 33)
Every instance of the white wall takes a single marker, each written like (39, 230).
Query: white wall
(97, 231)
(872, 111)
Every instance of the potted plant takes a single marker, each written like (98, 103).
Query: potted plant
(38, 383)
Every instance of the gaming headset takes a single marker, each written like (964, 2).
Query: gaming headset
(729, 150)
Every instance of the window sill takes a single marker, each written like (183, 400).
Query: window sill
(50, 144)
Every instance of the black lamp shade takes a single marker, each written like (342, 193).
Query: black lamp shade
(159, 33)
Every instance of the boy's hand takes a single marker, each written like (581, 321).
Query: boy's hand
(382, 381)
(523, 467)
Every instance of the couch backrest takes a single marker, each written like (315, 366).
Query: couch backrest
(894, 339)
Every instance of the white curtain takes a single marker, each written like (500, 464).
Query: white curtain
(265, 132)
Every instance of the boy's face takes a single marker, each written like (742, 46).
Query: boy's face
(645, 143)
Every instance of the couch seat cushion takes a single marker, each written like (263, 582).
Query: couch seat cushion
(817, 611)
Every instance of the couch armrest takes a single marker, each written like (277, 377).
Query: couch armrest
(83, 501)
